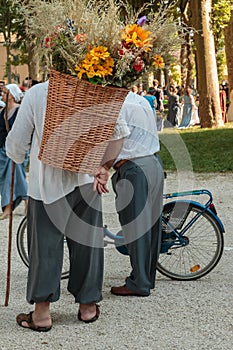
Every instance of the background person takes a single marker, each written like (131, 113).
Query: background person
(173, 107)
(195, 120)
(150, 97)
(223, 102)
(11, 96)
(188, 108)
(2, 84)
(141, 91)
(134, 89)
(2, 105)
(158, 92)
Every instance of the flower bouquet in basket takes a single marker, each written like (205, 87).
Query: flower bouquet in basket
(96, 50)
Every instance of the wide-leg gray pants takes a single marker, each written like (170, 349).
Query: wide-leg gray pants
(138, 185)
(79, 217)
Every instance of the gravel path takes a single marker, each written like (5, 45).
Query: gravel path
(176, 316)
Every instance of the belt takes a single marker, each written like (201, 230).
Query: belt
(123, 161)
(120, 163)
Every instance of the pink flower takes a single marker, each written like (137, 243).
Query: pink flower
(121, 52)
(80, 38)
(48, 42)
(124, 44)
(138, 64)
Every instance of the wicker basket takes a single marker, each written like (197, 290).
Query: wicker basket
(80, 118)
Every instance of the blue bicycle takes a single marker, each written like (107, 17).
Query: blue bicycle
(192, 238)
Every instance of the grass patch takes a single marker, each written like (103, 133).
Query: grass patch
(200, 150)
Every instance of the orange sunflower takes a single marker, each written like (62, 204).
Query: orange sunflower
(97, 63)
(158, 62)
(136, 35)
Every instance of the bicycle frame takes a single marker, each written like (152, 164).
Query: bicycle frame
(207, 207)
(177, 240)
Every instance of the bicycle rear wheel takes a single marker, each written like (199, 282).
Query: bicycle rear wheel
(21, 241)
(204, 246)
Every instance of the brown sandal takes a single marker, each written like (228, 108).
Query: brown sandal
(28, 318)
(93, 319)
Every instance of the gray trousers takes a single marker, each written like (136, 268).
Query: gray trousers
(79, 217)
(138, 185)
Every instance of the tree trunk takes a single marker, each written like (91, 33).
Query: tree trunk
(33, 63)
(166, 77)
(228, 34)
(186, 54)
(190, 63)
(8, 64)
(208, 86)
(183, 64)
(7, 40)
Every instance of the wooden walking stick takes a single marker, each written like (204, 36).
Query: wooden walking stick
(11, 213)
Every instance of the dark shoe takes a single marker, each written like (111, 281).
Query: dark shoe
(28, 318)
(93, 319)
(124, 291)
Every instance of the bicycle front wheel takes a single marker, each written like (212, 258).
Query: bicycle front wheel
(21, 241)
(204, 246)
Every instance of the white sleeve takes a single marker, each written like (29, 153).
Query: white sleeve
(19, 138)
(121, 129)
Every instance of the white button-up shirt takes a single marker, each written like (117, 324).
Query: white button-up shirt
(143, 138)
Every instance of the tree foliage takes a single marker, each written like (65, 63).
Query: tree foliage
(220, 18)
(10, 23)
(228, 34)
(221, 12)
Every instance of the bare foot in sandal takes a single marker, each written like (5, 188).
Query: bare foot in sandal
(88, 312)
(26, 321)
(38, 320)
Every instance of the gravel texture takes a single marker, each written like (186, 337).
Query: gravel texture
(176, 316)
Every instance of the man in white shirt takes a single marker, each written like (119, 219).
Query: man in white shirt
(138, 184)
(60, 202)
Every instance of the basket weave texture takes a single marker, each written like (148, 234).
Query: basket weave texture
(79, 122)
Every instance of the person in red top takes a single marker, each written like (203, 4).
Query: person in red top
(223, 103)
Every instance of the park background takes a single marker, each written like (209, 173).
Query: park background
(177, 315)
(203, 59)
